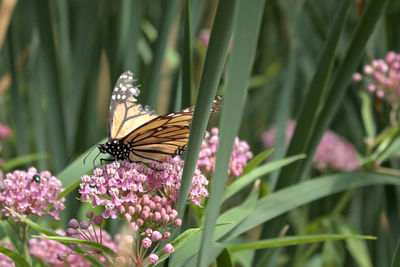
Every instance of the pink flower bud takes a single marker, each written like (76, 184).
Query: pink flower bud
(157, 216)
(156, 235)
(121, 209)
(144, 215)
(166, 235)
(146, 242)
(178, 222)
(127, 217)
(168, 248)
(152, 205)
(73, 223)
(164, 201)
(138, 208)
(153, 258)
(148, 232)
(133, 227)
(156, 199)
(139, 222)
(165, 218)
(357, 77)
(131, 210)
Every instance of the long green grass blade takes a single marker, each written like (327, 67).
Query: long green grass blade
(212, 70)
(313, 100)
(294, 240)
(247, 16)
(48, 71)
(187, 65)
(18, 259)
(152, 83)
(294, 196)
(396, 256)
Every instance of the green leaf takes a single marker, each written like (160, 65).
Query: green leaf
(396, 256)
(210, 77)
(78, 167)
(247, 179)
(18, 259)
(234, 215)
(69, 189)
(307, 116)
(92, 244)
(294, 196)
(293, 240)
(224, 259)
(11, 164)
(358, 248)
(246, 16)
(367, 116)
(254, 162)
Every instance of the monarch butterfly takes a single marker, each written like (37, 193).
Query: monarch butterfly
(137, 134)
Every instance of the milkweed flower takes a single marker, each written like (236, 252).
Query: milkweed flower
(240, 154)
(333, 151)
(5, 131)
(383, 77)
(31, 193)
(139, 192)
(141, 249)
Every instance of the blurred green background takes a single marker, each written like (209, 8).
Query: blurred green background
(59, 61)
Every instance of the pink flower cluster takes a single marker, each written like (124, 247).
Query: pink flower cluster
(31, 193)
(133, 251)
(383, 77)
(5, 131)
(123, 187)
(333, 152)
(240, 154)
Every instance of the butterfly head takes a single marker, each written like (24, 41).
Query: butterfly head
(115, 148)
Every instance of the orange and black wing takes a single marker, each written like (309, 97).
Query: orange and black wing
(125, 114)
(163, 136)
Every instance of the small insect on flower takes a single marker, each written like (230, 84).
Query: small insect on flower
(137, 134)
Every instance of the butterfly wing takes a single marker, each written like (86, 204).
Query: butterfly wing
(164, 136)
(125, 114)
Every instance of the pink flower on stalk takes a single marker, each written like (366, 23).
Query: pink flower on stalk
(383, 77)
(31, 193)
(333, 152)
(240, 154)
(132, 190)
(5, 131)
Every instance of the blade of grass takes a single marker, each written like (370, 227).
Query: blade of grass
(152, 84)
(187, 65)
(396, 256)
(294, 196)
(294, 240)
(212, 70)
(47, 71)
(342, 79)
(247, 16)
(19, 110)
(224, 259)
(306, 119)
(129, 52)
(18, 259)
(35, 100)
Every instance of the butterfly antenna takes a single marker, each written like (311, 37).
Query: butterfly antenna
(84, 160)
(95, 159)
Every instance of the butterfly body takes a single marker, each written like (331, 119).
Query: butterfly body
(137, 134)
